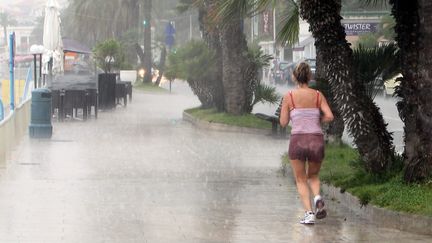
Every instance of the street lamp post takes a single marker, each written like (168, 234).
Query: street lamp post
(11, 70)
(37, 50)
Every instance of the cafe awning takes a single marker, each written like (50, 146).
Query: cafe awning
(70, 45)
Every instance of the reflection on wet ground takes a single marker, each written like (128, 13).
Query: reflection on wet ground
(140, 174)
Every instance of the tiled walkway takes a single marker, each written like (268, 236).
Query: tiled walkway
(141, 174)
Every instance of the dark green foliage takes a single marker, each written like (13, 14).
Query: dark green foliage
(415, 86)
(259, 92)
(109, 55)
(387, 26)
(289, 31)
(369, 40)
(195, 63)
(265, 93)
(372, 66)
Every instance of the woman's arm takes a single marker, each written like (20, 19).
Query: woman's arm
(284, 115)
(325, 108)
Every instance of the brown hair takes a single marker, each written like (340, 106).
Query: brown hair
(302, 73)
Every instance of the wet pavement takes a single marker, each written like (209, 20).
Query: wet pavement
(141, 174)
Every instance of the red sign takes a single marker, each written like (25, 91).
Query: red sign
(267, 23)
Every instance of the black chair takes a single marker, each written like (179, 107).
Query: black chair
(121, 93)
(74, 100)
(56, 104)
(129, 89)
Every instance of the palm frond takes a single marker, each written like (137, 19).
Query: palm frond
(229, 10)
(372, 66)
(258, 57)
(186, 5)
(290, 24)
(262, 5)
(265, 93)
(374, 2)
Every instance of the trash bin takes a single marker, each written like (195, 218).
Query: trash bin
(40, 120)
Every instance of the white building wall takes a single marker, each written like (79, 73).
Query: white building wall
(22, 37)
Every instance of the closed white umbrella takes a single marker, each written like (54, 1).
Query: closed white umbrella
(52, 40)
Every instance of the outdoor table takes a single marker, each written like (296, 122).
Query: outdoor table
(73, 92)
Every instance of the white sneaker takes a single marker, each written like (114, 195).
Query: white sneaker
(309, 218)
(320, 212)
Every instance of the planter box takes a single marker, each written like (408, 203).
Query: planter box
(106, 89)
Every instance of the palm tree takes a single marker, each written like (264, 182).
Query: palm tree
(362, 116)
(415, 89)
(234, 51)
(147, 62)
(412, 37)
(211, 35)
(372, 66)
(6, 20)
(93, 21)
(288, 34)
(96, 20)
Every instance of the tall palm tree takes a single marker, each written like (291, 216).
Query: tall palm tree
(413, 36)
(6, 20)
(147, 41)
(288, 34)
(211, 35)
(234, 59)
(362, 116)
(96, 20)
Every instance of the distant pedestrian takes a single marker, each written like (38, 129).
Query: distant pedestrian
(307, 109)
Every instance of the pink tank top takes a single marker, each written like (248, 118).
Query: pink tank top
(305, 120)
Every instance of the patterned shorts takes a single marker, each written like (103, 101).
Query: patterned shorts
(306, 147)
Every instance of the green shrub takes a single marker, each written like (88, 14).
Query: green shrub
(109, 55)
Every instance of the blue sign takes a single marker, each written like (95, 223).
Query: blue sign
(169, 35)
(169, 29)
(169, 40)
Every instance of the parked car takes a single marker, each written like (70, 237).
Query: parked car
(279, 74)
(290, 68)
(390, 85)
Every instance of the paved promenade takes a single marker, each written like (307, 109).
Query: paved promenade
(141, 174)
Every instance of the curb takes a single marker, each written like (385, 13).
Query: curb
(381, 216)
(398, 220)
(222, 127)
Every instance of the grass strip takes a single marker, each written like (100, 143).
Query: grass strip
(149, 87)
(212, 115)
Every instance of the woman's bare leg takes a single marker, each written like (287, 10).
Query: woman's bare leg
(313, 176)
(299, 171)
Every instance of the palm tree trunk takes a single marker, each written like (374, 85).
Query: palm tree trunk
(362, 116)
(211, 35)
(414, 33)
(234, 49)
(147, 42)
(333, 131)
(161, 65)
